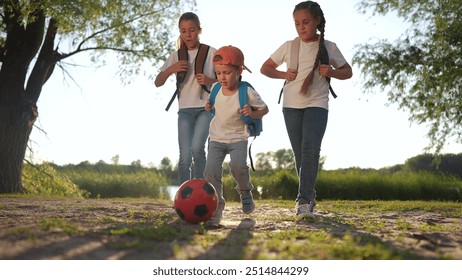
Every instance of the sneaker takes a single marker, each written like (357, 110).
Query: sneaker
(248, 204)
(305, 210)
(216, 218)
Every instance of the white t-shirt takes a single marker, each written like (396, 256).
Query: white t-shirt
(191, 93)
(318, 92)
(227, 125)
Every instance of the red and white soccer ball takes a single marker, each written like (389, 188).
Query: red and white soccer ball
(196, 201)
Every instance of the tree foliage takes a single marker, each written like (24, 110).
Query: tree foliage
(280, 159)
(135, 30)
(450, 164)
(422, 70)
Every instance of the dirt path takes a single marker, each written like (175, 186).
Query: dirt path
(113, 229)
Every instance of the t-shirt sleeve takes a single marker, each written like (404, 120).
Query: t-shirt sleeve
(255, 99)
(282, 54)
(336, 58)
(172, 59)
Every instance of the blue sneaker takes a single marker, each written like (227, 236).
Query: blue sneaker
(248, 204)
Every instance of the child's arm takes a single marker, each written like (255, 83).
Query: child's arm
(180, 66)
(254, 114)
(341, 73)
(269, 69)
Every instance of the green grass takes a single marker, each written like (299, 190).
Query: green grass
(58, 224)
(343, 230)
(317, 238)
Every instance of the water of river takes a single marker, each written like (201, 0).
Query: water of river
(172, 191)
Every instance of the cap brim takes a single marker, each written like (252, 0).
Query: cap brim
(246, 68)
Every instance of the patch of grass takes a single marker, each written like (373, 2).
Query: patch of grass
(58, 224)
(403, 225)
(295, 244)
(144, 237)
(22, 233)
(449, 209)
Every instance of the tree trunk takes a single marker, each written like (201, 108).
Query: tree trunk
(18, 110)
(14, 134)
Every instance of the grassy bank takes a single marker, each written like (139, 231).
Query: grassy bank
(348, 184)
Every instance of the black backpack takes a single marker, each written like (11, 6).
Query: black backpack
(199, 63)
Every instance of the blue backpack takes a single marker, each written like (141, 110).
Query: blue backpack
(254, 126)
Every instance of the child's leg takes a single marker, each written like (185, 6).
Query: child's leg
(238, 166)
(314, 126)
(213, 174)
(185, 134)
(199, 139)
(240, 172)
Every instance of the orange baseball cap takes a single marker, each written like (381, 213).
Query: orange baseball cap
(230, 55)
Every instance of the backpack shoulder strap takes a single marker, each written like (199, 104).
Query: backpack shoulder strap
(243, 95)
(293, 60)
(182, 55)
(324, 57)
(201, 57)
(213, 95)
(199, 62)
(294, 50)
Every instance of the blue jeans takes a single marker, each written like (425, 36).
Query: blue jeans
(306, 128)
(238, 166)
(193, 131)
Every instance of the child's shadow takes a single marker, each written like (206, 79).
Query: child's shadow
(233, 245)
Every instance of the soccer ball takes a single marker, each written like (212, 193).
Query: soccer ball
(196, 201)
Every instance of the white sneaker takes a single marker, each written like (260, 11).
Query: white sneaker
(214, 222)
(305, 210)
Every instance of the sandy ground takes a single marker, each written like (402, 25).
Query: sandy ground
(27, 230)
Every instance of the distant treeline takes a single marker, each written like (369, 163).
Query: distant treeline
(423, 177)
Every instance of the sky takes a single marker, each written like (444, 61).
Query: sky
(95, 117)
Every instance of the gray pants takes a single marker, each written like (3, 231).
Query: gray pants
(238, 166)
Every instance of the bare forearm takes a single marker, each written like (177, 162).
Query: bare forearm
(161, 79)
(342, 73)
(272, 72)
(258, 114)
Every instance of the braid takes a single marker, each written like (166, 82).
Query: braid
(316, 12)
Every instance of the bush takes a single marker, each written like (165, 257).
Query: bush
(45, 180)
(357, 184)
(127, 184)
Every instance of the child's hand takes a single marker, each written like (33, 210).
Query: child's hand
(201, 79)
(325, 70)
(208, 107)
(180, 66)
(291, 74)
(247, 110)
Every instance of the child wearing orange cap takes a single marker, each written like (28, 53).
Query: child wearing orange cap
(228, 133)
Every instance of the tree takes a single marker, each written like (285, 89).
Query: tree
(281, 159)
(115, 160)
(422, 70)
(36, 36)
(166, 164)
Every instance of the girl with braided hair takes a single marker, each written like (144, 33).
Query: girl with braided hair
(306, 96)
